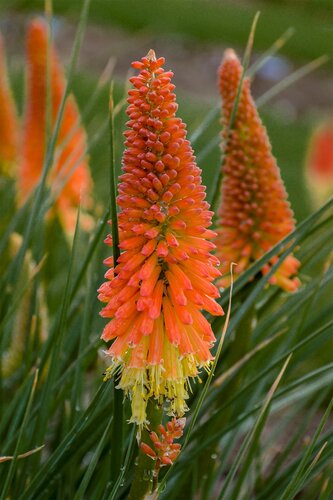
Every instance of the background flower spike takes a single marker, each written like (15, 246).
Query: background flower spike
(70, 180)
(254, 212)
(163, 277)
(319, 163)
(9, 124)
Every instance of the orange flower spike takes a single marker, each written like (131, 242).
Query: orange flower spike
(70, 179)
(9, 126)
(254, 213)
(319, 164)
(163, 230)
(166, 451)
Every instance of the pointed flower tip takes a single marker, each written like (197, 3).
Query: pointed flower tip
(229, 54)
(151, 56)
(110, 101)
(37, 27)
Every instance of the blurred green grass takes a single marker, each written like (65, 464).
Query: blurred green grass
(214, 21)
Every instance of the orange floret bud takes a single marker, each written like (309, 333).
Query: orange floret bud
(148, 451)
(70, 179)
(254, 213)
(9, 126)
(163, 225)
(166, 451)
(319, 164)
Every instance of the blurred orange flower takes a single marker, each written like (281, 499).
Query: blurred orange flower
(254, 213)
(9, 125)
(319, 164)
(70, 179)
(163, 278)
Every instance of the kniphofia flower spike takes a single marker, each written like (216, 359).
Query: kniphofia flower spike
(162, 447)
(70, 179)
(254, 213)
(9, 126)
(319, 164)
(163, 278)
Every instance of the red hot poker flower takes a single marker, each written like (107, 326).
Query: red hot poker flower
(9, 126)
(165, 450)
(319, 165)
(163, 279)
(70, 178)
(254, 214)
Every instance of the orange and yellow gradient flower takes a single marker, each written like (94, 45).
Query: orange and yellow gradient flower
(70, 179)
(254, 213)
(162, 280)
(9, 126)
(319, 164)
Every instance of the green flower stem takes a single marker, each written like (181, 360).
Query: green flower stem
(145, 480)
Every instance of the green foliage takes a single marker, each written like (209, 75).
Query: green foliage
(265, 414)
(215, 21)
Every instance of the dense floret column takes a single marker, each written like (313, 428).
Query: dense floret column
(254, 213)
(157, 291)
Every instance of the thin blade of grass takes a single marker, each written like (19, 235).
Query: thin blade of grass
(117, 427)
(12, 467)
(278, 485)
(56, 341)
(313, 382)
(246, 388)
(245, 359)
(92, 465)
(253, 436)
(311, 466)
(209, 118)
(284, 455)
(277, 45)
(91, 250)
(21, 455)
(124, 469)
(296, 481)
(49, 468)
(76, 396)
(19, 294)
(291, 79)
